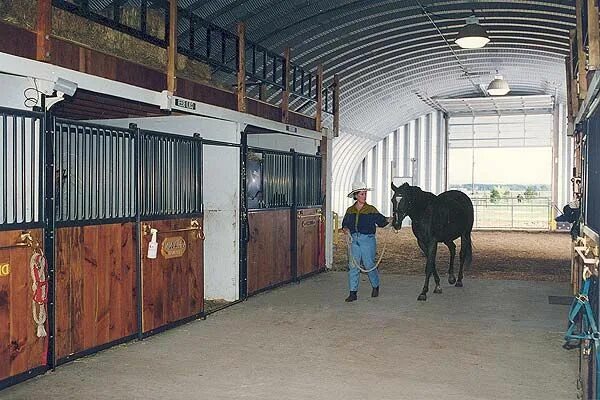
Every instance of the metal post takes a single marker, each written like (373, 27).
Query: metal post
(243, 221)
(294, 219)
(49, 189)
(137, 178)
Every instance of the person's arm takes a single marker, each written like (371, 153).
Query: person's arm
(381, 221)
(346, 223)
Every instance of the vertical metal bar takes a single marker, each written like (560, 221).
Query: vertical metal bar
(137, 177)
(117, 177)
(32, 172)
(295, 69)
(274, 80)
(294, 219)
(23, 189)
(223, 47)
(253, 59)
(208, 42)
(14, 171)
(4, 168)
(111, 178)
(192, 33)
(84, 173)
(48, 192)
(264, 64)
(97, 172)
(143, 16)
(302, 81)
(69, 174)
(244, 232)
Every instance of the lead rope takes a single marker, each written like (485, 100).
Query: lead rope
(356, 263)
(37, 266)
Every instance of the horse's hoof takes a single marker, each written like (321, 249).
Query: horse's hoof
(451, 280)
(422, 297)
(437, 290)
(459, 284)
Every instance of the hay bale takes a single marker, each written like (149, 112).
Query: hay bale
(18, 12)
(107, 40)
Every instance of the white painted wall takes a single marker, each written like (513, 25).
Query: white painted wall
(283, 142)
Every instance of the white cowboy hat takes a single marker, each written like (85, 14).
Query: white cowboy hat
(358, 187)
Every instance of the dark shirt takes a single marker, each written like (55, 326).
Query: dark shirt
(363, 220)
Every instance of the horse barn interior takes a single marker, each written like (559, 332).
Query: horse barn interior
(175, 173)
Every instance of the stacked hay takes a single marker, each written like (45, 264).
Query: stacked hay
(18, 12)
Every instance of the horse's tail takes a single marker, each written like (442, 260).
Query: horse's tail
(466, 249)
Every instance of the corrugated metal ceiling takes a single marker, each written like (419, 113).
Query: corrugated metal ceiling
(392, 61)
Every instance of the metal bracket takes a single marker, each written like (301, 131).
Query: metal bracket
(194, 226)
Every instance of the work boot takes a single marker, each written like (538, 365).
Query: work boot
(351, 297)
(375, 292)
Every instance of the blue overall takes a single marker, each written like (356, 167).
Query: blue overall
(361, 224)
(363, 250)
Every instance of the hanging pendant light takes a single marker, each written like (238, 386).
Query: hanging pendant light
(498, 87)
(472, 35)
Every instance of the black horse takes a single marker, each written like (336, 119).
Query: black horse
(436, 219)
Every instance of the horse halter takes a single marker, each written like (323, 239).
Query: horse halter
(398, 198)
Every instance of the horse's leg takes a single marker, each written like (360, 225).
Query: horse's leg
(452, 248)
(466, 255)
(422, 247)
(429, 270)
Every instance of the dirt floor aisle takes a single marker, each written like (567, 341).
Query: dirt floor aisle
(492, 339)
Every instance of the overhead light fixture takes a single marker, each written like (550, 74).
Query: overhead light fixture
(65, 86)
(472, 35)
(498, 87)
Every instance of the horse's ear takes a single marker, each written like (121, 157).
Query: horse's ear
(405, 184)
(394, 187)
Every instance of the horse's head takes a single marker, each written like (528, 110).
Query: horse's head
(401, 201)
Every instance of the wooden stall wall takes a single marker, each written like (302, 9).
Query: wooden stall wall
(95, 287)
(269, 257)
(172, 288)
(309, 243)
(20, 348)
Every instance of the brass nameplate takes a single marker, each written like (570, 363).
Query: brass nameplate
(4, 269)
(310, 222)
(173, 247)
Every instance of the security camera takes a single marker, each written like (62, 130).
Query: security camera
(65, 86)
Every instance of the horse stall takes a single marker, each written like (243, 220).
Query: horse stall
(23, 346)
(286, 236)
(215, 165)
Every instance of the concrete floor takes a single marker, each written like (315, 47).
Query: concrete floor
(488, 340)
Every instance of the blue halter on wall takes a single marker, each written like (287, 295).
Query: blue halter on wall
(589, 328)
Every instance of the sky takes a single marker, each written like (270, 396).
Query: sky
(501, 165)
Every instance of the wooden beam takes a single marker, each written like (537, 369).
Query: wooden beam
(43, 28)
(241, 73)
(572, 83)
(172, 49)
(580, 74)
(570, 116)
(319, 111)
(593, 35)
(336, 105)
(285, 95)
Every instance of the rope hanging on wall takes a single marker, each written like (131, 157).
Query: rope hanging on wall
(37, 266)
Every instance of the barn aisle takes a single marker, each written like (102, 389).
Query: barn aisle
(490, 340)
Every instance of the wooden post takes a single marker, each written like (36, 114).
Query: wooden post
(574, 99)
(285, 95)
(593, 35)
(570, 116)
(319, 111)
(262, 92)
(336, 105)
(172, 49)
(581, 72)
(43, 27)
(241, 74)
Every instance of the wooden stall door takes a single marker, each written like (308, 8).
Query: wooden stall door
(269, 261)
(172, 284)
(95, 287)
(20, 348)
(309, 242)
